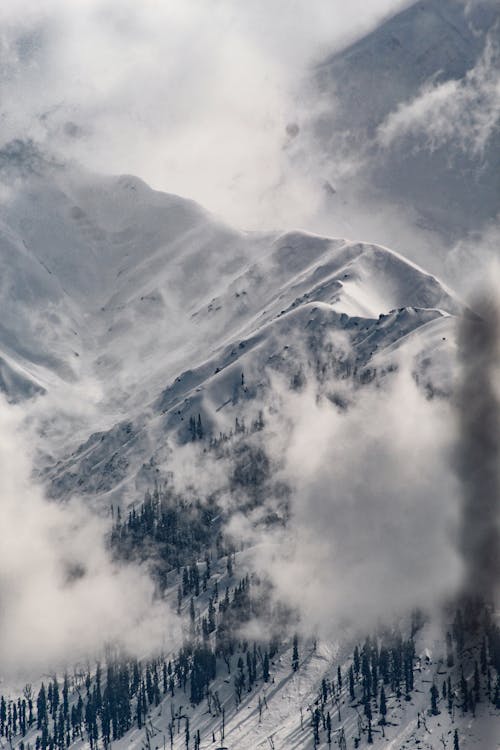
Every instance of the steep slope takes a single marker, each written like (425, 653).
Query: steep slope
(110, 282)
(278, 713)
(311, 307)
(88, 259)
(182, 322)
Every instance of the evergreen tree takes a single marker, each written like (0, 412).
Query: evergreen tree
(351, 683)
(449, 693)
(484, 657)
(55, 697)
(41, 707)
(477, 683)
(356, 661)
(370, 735)
(464, 693)
(65, 695)
(434, 699)
(383, 706)
(265, 667)
(295, 653)
(316, 720)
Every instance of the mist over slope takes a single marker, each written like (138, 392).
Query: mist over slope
(417, 96)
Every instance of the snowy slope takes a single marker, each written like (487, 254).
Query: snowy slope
(111, 283)
(289, 695)
(88, 259)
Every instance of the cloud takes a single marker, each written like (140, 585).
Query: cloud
(62, 599)
(374, 510)
(201, 99)
(463, 112)
(194, 97)
(473, 259)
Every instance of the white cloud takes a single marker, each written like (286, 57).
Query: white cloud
(464, 112)
(62, 597)
(374, 508)
(194, 97)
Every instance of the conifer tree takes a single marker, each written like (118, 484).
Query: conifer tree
(434, 699)
(449, 693)
(265, 667)
(383, 706)
(41, 707)
(477, 683)
(483, 657)
(351, 683)
(295, 653)
(356, 661)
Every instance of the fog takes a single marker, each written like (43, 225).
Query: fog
(374, 506)
(208, 100)
(62, 599)
(195, 98)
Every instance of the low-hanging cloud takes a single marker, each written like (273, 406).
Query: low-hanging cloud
(373, 506)
(61, 597)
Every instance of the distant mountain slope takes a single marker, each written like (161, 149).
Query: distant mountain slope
(415, 105)
(431, 39)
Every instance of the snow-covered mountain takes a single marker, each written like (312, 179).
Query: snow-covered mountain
(170, 314)
(155, 351)
(178, 318)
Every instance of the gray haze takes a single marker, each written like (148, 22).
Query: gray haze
(478, 451)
